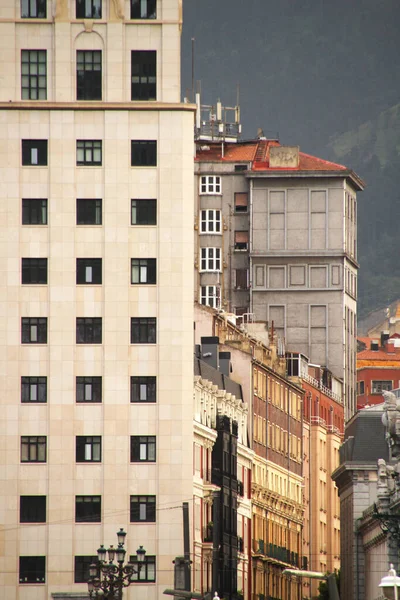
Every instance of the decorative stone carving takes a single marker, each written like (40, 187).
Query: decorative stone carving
(391, 420)
(116, 12)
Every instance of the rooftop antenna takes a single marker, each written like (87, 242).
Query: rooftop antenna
(193, 98)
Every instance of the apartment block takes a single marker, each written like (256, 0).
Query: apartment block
(96, 166)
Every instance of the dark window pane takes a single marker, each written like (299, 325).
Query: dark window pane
(144, 153)
(143, 448)
(88, 330)
(33, 75)
(34, 212)
(89, 152)
(88, 212)
(88, 448)
(33, 9)
(88, 389)
(33, 389)
(143, 9)
(32, 509)
(143, 389)
(143, 270)
(144, 212)
(143, 508)
(88, 509)
(143, 330)
(34, 270)
(88, 271)
(147, 570)
(32, 569)
(88, 74)
(82, 566)
(34, 153)
(143, 75)
(34, 330)
(33, 448)
(88, 9)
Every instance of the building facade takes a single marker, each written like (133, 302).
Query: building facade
(276, 240)
(96, 302)
(378, 368)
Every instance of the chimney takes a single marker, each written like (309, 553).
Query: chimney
(375, 345)
(284, 157)
(209, 351)
(384, 338)
(225, 363)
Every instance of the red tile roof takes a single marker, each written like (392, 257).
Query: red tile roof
(379, 355)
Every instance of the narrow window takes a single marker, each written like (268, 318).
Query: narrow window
(210, 295)
(88, 75)
(143, 74)
(33, 74)
(241, 240)
(34, 153)
(34, 271)
(144, 212)
(143, 270)
(143, 153)
(89, 153)
(241, 201)
(88, 271)
(34, 211)
(143, 389)
(143, 330)
(33, 389)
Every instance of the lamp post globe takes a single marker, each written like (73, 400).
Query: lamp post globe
(390, 585)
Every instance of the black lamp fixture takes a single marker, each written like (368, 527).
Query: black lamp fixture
(107, 578)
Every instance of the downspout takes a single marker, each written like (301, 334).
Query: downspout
(251, 247)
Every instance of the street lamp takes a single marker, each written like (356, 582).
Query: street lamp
(106, 578)
(390, 584)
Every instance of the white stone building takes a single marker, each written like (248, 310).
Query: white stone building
(96, 304)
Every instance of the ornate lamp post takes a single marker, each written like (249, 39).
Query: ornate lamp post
(107, 578)
(390, 584)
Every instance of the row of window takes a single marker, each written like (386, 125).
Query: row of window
(32, 569)
(88, 271)
(88, 75)
(89, 330)
(89, 389)
(377, 387)
(88, 212)
(34, 153)
(33, 509)
(89, 9)
(87, 448)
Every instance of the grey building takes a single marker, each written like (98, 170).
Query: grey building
(277, 243)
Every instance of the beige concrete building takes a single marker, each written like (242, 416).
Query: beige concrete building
(96, 306)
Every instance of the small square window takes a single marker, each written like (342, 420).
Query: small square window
(143, 509)
(143, 75)
(33, 74)
(88, 9)
(210, 184)
(32, 569)
(210, 259)
(33, 9)
(143, 330)
(88, 448)
(143, 448)
(210, 295)
(143, 9)
(82, 566)
(88, 509)
(88, 330)
(34, 271)
(34, 153)
(143, 270)
(88, 389)
(88, 75)
(145, 571)
(89, 153)
(32, 509)
(34, 211)
(33, 448)
(143, 153)
(34, 330)
(143, 389)
(33, 389)
(210, 221)
(88, 271)
(144, 212)
(88, 212)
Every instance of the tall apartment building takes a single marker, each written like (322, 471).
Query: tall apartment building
(276, 240)
(96, 166)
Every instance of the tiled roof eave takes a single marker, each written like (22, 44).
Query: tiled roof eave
(259, 172)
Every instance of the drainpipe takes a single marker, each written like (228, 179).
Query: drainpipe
(251, 247)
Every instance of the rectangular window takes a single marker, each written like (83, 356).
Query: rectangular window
(88, 9)
(88, 509)
(88, 389)
(88, 448)
(89, 153)
(82, 566)
(32, 509)
(34, 271)
(210, 259)
(144, 75)
(88, 74)
(210, 184)
(242, 279)
(143, 508)
(143, 270)
(34, 153)
(33, 389)
(378, 387)
(241, 202)
(143, 330)
(88, 330)
(33, 9)
(210, 221)
(33, 75)
(88, 212)
(143, 448)
(145, 571)
(241, 240)
(144, 153)
(32, 569)
(88, 271)
(361, 388)
(34, 330)
(33, 448)
(210, 295)
(144, 212)
(34, 212)
(143, 9)
(143, 389)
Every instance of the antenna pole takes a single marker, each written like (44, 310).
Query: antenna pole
(193, 99)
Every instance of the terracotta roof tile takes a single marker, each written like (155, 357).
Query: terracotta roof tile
(379, 355)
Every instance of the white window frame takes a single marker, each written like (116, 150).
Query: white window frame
(211, 218)
(210, 184)
(210, 295)
(210, 260)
